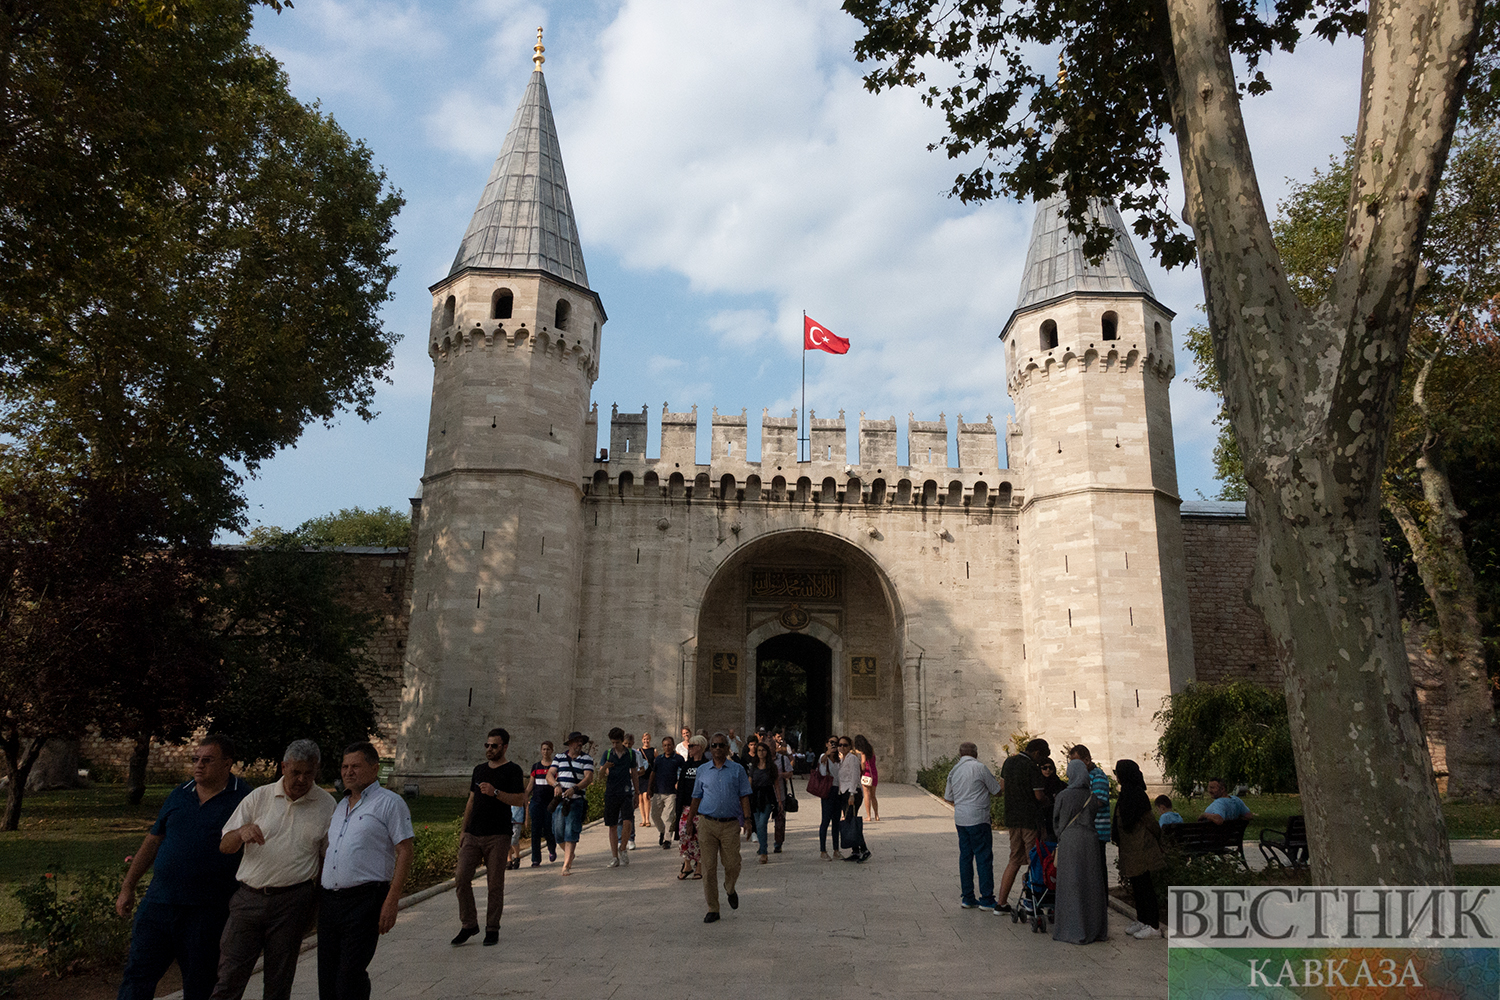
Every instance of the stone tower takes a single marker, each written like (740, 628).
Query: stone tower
(497, 554)
(1105, 610)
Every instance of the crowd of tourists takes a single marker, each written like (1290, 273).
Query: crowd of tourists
(1065, 824)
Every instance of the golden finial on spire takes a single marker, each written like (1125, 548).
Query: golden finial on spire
(538, 59)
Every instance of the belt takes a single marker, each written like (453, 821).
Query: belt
(360, 887)
(722, 819)
(274, 890)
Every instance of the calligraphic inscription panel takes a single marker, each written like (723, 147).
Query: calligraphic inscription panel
(724, 674)
(862, 678)
(795, 584)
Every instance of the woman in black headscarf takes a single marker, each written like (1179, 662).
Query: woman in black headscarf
(1082, 915)
(1138, 836)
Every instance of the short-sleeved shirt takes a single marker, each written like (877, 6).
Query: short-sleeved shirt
(295, 831)
(189, 870)
(664, 770)
(490, 817)
(1169, 817)
(1228, 808)
(541, 792)
(687, 780)
(362, 839)
(1099, 785)
(571, 770)
(720, 789)
(617, 781)
(1023, 779)
(970, 786)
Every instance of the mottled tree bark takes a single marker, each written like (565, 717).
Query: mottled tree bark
(1438, 549)
(1311, 396)
(20, 757)
(135, 769)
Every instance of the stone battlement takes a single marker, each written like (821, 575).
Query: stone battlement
(624, 471)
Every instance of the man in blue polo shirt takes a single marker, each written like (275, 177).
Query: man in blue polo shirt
(1224, 806)
(720, 810)
(187, 903)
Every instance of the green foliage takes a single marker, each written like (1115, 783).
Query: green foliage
(934, 777)
(1095, 122)
(70, 930)
(382, 527)
(293, 658)
(435, 854)
(1237, 731)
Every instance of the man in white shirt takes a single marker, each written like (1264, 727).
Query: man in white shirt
(969, 789)
(283, 828)
(370, 842)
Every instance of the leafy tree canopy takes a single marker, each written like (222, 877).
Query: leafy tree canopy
(384, 527)
(1237, 731)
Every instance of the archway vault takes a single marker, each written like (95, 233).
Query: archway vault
(830, 589)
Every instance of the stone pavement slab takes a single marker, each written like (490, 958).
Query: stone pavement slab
(889, 928)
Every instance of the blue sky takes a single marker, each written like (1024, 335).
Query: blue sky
(728, 171)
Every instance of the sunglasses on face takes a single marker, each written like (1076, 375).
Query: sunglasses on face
(715, 745)
(492, 746)
(205, 759)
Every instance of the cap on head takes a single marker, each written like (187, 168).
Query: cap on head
(575, 737)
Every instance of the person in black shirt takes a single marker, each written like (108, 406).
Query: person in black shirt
(687, 776)
(662, 786)
(541, 814)
(620, 773)
(497, 785)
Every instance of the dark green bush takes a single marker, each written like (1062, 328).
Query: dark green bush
(1236, 730)
(73, 929)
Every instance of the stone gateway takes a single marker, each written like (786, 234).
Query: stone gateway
(557, 585)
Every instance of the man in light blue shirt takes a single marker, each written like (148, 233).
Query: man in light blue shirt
(970, 787)
(720, 809)
(1224, 806)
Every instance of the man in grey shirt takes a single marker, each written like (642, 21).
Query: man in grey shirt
(970, 787)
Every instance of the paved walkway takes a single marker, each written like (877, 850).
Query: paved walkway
(889, 928)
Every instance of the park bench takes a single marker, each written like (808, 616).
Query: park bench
(1204, 837)
(1286, 848)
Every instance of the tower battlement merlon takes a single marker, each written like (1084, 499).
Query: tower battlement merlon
(628, 435)
(730, 439)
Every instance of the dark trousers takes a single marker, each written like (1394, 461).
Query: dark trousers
(854, 825)
(348, 931)
(494, 851)
(976, 849)
(165, 932)
(778, 821)
(833, 808)
(274, 924)
(1144, 890)
(541, 828)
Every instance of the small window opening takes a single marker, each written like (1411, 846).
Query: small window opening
(501, 304)
(564, 310)
(1049, 335)
(1111, 326)
(448, 308)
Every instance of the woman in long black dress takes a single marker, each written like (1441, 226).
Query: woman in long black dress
(1082, 910)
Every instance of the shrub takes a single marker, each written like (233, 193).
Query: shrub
(74, 929)
(1236, 730)
(435, 854)
(934, 777)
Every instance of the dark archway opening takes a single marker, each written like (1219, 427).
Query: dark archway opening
(794, 688)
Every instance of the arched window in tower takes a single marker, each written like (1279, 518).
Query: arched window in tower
(448, 308)
(1156, 338)
(627, 484)
(727, 487)
(1110, 326)
(596, 340)
(752, 488)
(1049, 335)
(955, 494)
(501, 303)
(675, 486)
(564, 310)
(778, 488)
(601, 483)
(929, 493)
(877, 492)
(653, 485)
(830, 491)
(903, 492)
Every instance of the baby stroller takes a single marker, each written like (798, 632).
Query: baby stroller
(1038, 888)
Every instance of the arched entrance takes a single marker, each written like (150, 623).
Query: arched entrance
(794, 688)
(822, 617)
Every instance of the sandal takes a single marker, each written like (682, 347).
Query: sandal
(695, 875)
(681, 876)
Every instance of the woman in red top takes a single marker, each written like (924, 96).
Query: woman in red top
(869, 777)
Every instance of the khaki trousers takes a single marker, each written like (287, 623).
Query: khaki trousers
(718, 838)
(495, 852)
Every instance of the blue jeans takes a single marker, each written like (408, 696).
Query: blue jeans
(541, 827)
(567, 819)
(976, 847)
(761, 817)
(833, 806)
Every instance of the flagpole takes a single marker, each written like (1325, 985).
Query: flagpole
(802, 414)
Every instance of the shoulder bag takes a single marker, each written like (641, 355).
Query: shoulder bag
(818, 783)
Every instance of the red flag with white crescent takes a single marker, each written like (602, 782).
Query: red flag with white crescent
(817, 337)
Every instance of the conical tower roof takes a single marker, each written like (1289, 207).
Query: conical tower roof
(1056, 265)
(525, 216)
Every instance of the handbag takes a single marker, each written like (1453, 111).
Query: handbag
(866, 780)
(819, 784)
(789, 800)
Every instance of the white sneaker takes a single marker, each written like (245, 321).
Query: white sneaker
(632, 844)
(1135, 925)
(613, 862)
(1144, 933)
(624, 859)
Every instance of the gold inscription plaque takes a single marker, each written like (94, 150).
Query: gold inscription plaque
(795, 584)
(862, 683)
(724, 674)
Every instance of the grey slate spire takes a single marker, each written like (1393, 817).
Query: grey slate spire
(1056, 266)
(525, 217)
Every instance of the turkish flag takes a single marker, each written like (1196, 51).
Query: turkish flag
(816, 337)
